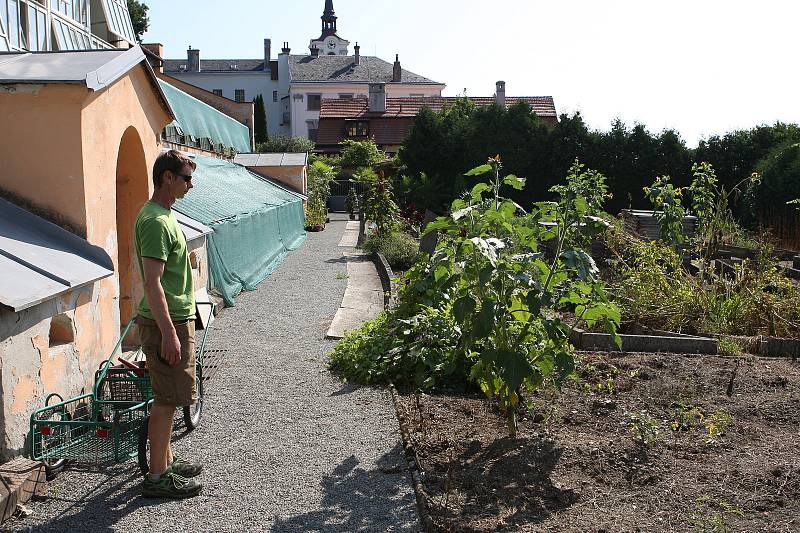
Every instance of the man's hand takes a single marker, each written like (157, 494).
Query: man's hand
(171, 348)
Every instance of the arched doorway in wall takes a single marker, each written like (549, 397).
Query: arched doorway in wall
(132, 193)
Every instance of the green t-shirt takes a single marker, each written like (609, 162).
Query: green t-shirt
(158, 235)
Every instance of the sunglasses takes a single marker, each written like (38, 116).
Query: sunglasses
(186, 177)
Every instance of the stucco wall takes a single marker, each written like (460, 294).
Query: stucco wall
(40, 147)
(292, 177)
(61, 151)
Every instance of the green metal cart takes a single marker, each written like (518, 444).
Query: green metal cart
(108, 425)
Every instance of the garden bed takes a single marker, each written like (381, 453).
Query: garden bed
(602, 454)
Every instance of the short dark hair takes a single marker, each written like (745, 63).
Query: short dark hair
(174, 161)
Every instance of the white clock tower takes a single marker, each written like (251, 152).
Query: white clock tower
(329, 43)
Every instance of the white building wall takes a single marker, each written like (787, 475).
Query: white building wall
(298, 100)
(253, 83)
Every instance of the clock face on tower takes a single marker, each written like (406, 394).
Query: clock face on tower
(331, 44)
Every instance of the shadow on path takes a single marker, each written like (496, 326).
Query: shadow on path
(355, 499)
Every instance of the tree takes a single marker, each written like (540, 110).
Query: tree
(360, 153)
(139, 18)
(282, 144)
(260, 126)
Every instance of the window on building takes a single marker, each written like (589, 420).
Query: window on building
(314, 102)
(218, 92)
(346, 96)
(313, 126)
(239, 95)
(357, 128)
(13, 24)
(274, 96)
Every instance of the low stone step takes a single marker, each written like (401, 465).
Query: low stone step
(20, 480)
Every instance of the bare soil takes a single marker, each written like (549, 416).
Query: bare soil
(640, 442)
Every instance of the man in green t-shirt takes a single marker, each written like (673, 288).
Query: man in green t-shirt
(166, 324)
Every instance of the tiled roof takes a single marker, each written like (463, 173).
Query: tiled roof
(216, 65)
(343, 69)
(543, 106)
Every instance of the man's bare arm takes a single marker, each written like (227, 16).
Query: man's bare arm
(170, 345)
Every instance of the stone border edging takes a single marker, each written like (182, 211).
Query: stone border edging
(387, 275)
(584, 340)
(413, 466)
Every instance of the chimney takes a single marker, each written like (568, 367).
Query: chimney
(194, 59)
(286, 49)
(314, 51)
(156, 49)
(357, 60)
(267, 53)
(397, 72)
(377, 98)
(500, 93)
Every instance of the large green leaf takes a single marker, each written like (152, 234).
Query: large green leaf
(442, 271)
(485, 320)
(515, 182)
(463, 307)
(565, 364)
(479, 171)
(438, 224)
(479, 189)
(515, 368)
(581, 262)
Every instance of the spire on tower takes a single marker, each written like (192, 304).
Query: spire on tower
(328, 19)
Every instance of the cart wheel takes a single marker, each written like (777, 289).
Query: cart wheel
(192, 413)
(53, 468)
(144, 447)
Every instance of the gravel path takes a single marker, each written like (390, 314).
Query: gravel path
(286, 446)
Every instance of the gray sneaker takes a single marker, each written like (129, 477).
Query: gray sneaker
(185, 468)
(170, 485)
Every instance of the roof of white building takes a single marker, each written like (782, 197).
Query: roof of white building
(332, 68)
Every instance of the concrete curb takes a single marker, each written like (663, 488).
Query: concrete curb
(387, 275)
(413, 466)
(588, 341)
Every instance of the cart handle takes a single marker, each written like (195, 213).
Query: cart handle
(205, 331)
(102, 376)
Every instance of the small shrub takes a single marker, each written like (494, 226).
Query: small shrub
(400, 249)
(644, 428)
(420, 352)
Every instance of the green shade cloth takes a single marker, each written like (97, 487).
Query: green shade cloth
(202, 121)
(255, 222)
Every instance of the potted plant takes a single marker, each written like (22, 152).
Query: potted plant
(351, 203)
(316, 213)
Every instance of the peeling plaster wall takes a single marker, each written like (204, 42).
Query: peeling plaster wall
(32, 368)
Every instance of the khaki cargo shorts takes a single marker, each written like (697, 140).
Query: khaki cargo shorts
(172, 385)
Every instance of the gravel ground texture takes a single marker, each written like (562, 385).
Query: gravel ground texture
(286, 446)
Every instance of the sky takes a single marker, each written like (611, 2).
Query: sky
(701, 67)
